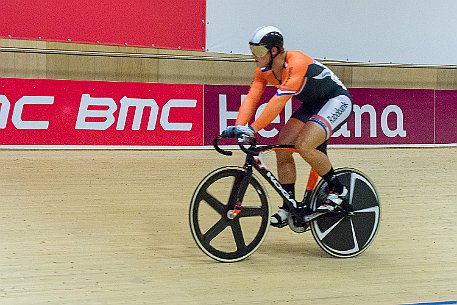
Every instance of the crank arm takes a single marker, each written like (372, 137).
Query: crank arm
(313, 216)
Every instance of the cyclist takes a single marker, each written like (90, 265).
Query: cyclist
(326, 106)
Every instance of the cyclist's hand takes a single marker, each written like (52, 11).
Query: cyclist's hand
(237, 131)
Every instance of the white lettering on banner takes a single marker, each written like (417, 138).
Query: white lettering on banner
(358, 111)
(166, 125)
(225, 115)
(17, 120)
(399, 131)
(139, 105)
(4, 111)
(126, 103)
(84, 113)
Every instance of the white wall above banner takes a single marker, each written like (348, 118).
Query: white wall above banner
(407, 31)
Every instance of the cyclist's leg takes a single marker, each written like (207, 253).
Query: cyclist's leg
(286, 168)
(317, 131)
(313, 135)
(284, 159)
(289, 135)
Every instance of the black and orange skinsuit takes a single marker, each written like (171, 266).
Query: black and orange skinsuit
(303, 77)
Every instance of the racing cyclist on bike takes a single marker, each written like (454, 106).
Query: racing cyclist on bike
(326, 106)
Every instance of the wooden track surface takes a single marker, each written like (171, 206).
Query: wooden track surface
(111, 227)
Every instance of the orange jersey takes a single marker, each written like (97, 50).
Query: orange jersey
(302, 76)
(292, 79)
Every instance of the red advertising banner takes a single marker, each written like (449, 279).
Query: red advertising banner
(446, 116)
(168, 24)
(380, 116)
(389, 116)
(55, 112)
(221, 110)
(37, 113)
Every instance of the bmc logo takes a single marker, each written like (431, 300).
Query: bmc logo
(108, 119)
(104, 116)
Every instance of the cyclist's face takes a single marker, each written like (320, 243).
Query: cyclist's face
(263, 61)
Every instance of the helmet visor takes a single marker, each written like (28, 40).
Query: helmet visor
(259, 51)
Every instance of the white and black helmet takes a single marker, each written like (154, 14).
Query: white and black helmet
(264, 38)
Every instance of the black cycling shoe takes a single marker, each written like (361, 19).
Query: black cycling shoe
(333, 201)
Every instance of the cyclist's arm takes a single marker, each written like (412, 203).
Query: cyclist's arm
(249, 104)
(271, 111)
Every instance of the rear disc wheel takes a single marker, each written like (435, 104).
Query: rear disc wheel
(349, 232)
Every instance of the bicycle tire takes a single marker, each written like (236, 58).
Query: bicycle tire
(347, 235)
(211, 199)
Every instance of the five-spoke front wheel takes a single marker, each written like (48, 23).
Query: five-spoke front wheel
(218, 233)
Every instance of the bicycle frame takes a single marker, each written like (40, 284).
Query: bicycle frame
(255, 161)
(343, 232)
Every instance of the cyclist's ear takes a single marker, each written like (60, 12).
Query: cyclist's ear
(274, 51)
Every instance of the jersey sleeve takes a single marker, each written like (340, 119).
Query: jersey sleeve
(249, 104)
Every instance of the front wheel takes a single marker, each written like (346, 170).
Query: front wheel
(349, 232)
(217, 233)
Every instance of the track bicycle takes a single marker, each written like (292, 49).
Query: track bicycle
(229, 212)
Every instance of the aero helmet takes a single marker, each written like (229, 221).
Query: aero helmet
(265, 38)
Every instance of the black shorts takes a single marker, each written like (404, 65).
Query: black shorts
(331, 116)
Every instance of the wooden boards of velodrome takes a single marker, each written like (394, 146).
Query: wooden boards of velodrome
(110, 227)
